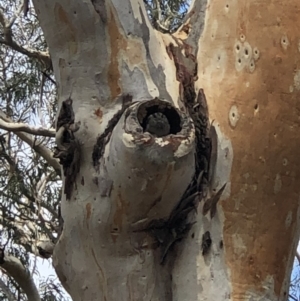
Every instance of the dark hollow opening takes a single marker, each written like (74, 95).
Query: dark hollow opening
(167, 110)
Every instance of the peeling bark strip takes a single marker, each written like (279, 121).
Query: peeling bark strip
(68, 147)
(177, 226)
(168, 232)
(186, 73)
(103, 139)
(211, 203)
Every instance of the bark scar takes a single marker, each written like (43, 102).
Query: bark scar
(68, 147)
(104, 138)
(176, 227)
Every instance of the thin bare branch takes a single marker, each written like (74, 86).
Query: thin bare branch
(159, 17)
(23, 127)
(36, 146)
(14, 268)
(49, 77)
(290, 296)
(42, 56)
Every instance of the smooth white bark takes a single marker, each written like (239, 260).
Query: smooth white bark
(22, 127)
(34, 144)
(14, 267)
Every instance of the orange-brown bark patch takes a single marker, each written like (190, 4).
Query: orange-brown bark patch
(264, 189)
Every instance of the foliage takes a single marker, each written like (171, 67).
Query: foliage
(166, 15)
(29, 187)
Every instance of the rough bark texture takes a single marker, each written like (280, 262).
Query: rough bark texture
(129, 221)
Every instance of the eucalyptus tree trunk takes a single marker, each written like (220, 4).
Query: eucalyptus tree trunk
(145, 163)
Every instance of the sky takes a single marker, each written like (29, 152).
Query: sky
(45, 270)
(295, 274)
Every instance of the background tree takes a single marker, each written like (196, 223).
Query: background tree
(167, 16)
(30, 177)
(101, 59)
